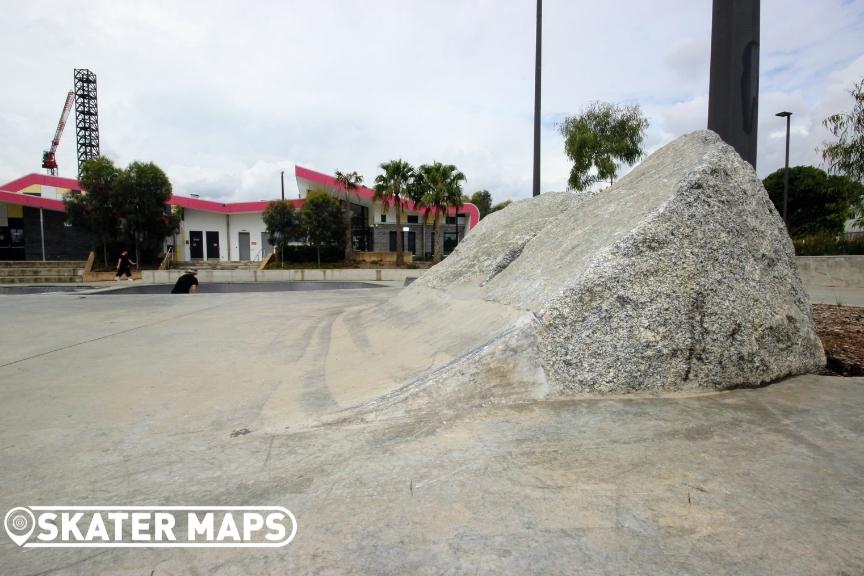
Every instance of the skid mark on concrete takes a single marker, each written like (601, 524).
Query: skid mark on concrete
(298, 347)
(316, 397)
(354, 321)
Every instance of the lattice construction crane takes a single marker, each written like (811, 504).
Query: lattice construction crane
(49, 162)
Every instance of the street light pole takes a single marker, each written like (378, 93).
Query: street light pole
(537, 50)
(788, 116)
(283, 184)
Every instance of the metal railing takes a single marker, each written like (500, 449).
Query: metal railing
(166, 261)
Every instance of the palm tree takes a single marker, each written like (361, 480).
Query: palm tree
(348, 181)
(416, 192)
(390, 187)
(443, 191)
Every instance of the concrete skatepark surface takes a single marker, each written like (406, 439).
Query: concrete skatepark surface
(231, 287)
(132, 400)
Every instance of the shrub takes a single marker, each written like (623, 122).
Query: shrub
(828, 245)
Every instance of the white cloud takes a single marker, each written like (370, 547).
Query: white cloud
(225, 95)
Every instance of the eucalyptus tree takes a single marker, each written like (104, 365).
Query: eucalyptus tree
(144, 190)
(348, 182)
(99, 211)
(846, 154)
(600, 137)
(443, 184)
(321, 221)
(483, 200)
(282, 225)
(391, 187)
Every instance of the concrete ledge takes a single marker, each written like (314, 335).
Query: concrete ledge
(107, 276)
(287, 275)
(833, 271)
(385, 257)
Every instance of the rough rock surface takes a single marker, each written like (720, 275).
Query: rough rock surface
(493, 246)
(680, 277)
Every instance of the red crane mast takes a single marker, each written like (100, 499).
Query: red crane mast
(49, 162)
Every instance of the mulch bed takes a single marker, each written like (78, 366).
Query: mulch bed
(841, 329)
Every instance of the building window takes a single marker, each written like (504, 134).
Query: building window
(451, 219)
(359, 217)
(451, 239)
(383, 218)
(409, 241)
(413, 219)
(17, 235)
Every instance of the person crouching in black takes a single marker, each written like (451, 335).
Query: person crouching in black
(187, 283)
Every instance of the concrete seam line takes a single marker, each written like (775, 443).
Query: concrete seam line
(47, 352)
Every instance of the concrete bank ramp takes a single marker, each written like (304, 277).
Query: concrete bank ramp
(680, 277)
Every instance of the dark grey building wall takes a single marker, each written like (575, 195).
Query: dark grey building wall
(382, 235)
(61, 242)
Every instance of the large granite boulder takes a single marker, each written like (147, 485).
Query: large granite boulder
(681, 276)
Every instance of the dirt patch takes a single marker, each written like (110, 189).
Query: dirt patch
(841, 329)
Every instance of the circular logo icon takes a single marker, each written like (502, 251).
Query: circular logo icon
(19, 523)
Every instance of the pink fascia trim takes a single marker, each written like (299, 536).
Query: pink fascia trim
(223, 208)
(9, 197)
(325, 180)
(42, 180)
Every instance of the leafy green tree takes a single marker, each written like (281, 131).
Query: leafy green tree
(97, 211)
(443, 190)
(390, 188)
(348, 182)
(483, 200)
(600, 137)
(144, 191)
(282, 224)
(818, 203)
(322, 221)
(846, 155)
(500, 206)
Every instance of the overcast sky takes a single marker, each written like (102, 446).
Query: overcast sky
(225, 95)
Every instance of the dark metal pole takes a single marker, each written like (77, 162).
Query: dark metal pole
(733, 93)
(537, 51)
(42, 232)
(283, 184)
(786, 173)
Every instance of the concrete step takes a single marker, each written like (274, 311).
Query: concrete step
(49, 271)
(39, 264)
(42, 280)
(216, 265)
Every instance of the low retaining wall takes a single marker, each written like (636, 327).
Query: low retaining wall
(382, 257)
(834, 271)
(840, 271)
(106, 276)
(337, 275)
